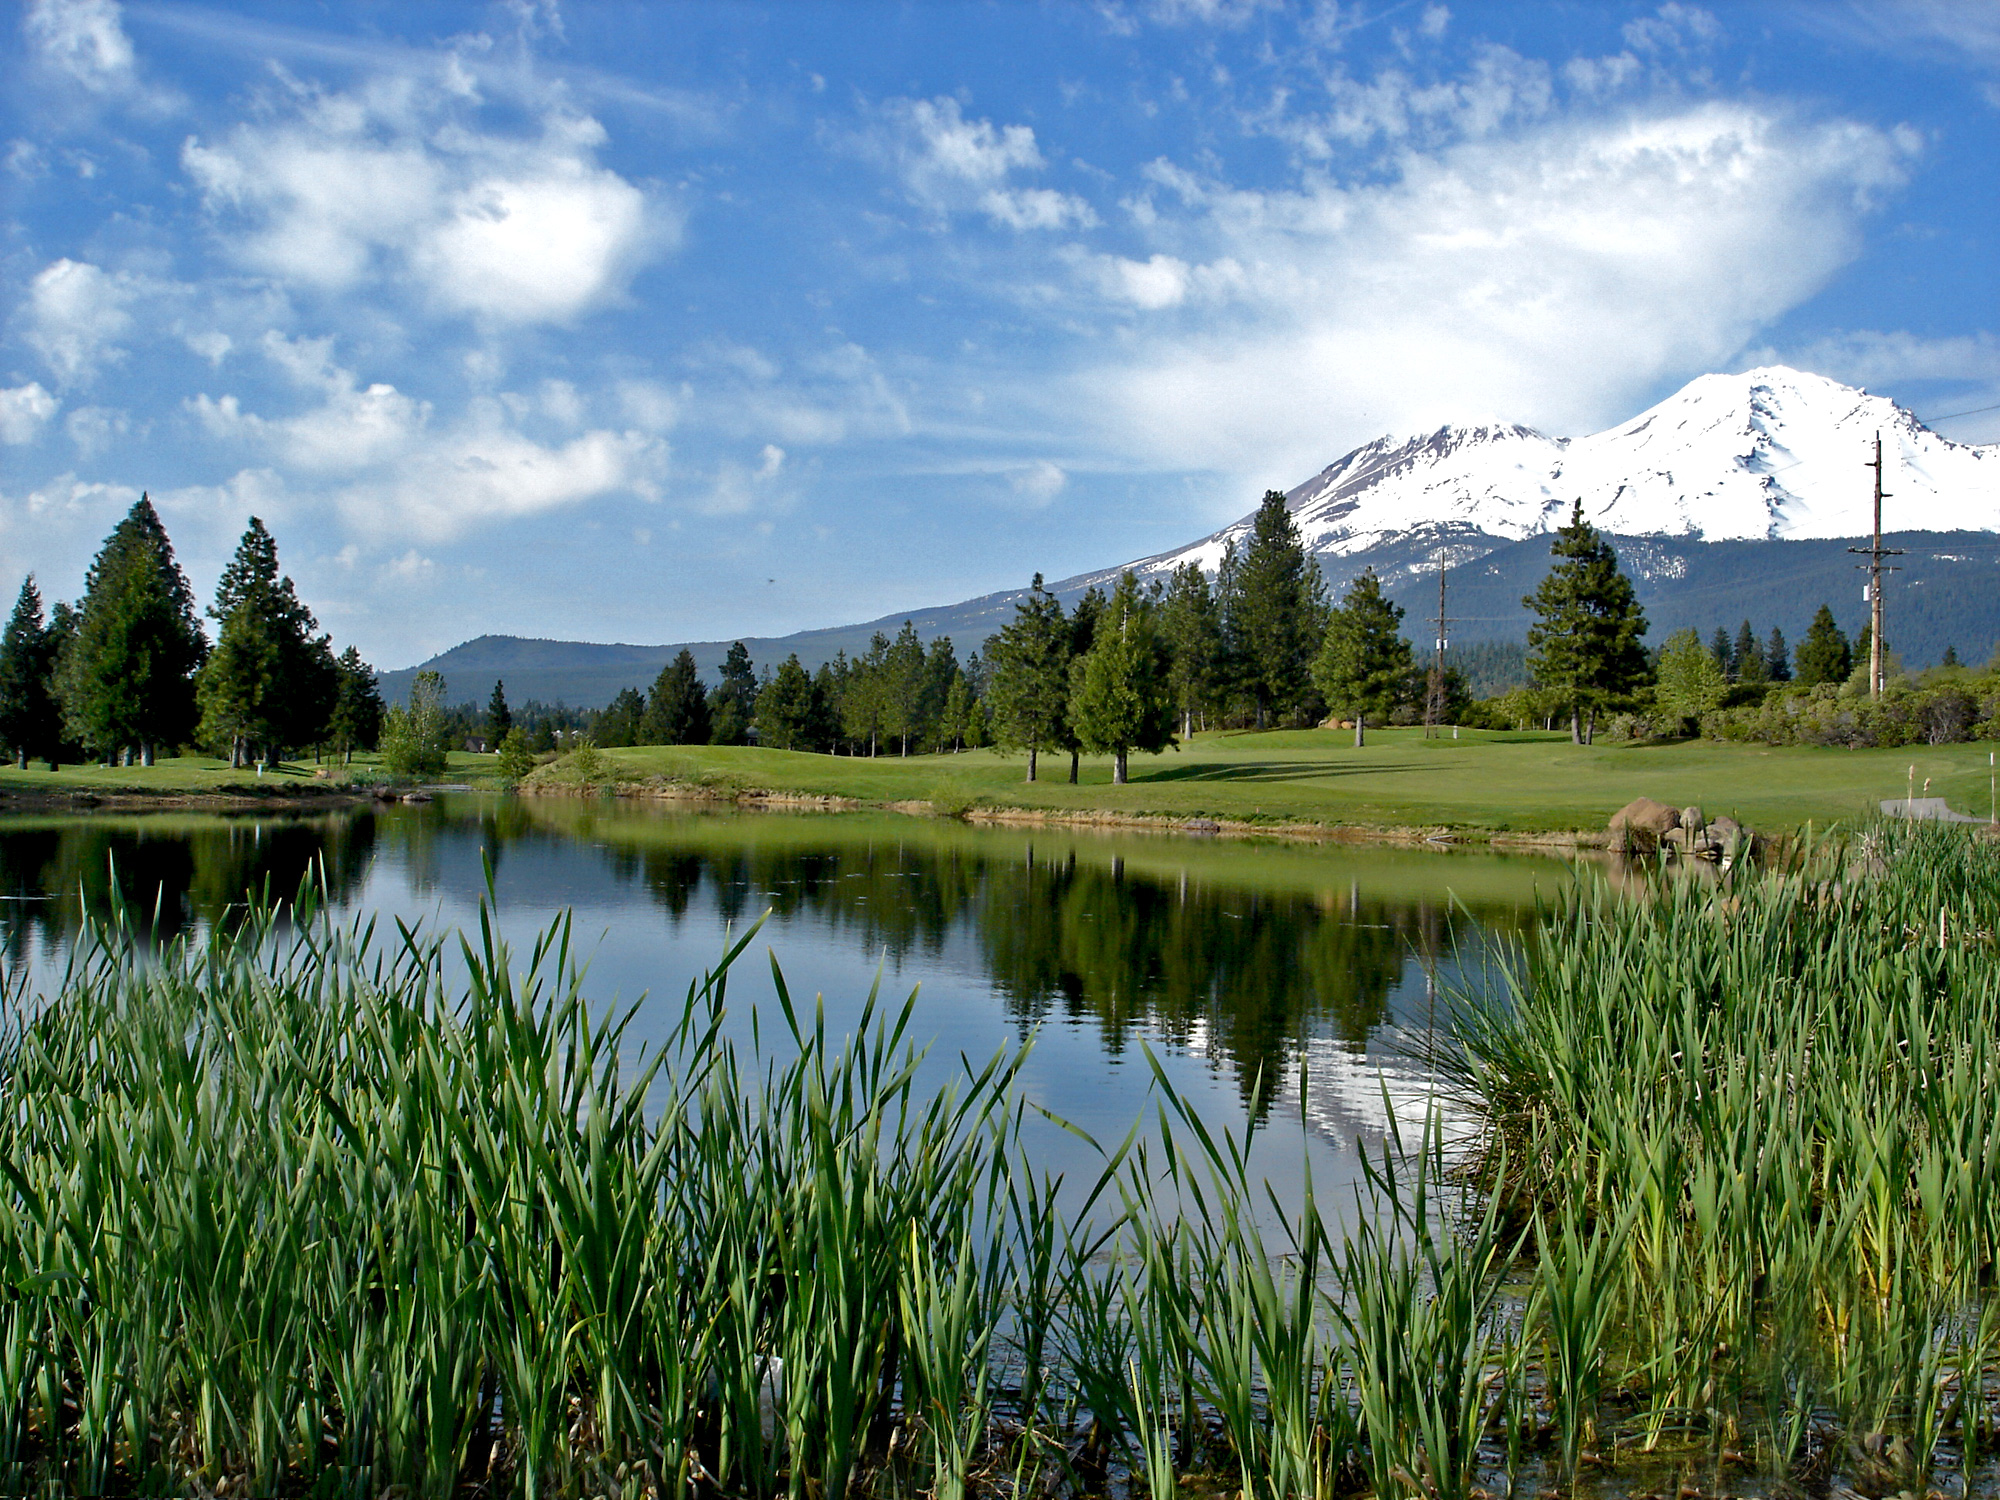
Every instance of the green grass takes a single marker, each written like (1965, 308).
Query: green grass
(1482, 782)
(198, 775)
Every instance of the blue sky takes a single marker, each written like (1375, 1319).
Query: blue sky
(659, 322)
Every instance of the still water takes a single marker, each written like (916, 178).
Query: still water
(1284, 985)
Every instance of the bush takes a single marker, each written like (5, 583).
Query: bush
(515, 758)
(416, 738)
(1942, 714)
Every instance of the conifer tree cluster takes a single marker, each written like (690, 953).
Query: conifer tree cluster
(127, 672)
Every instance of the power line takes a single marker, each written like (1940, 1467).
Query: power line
(1954, 416)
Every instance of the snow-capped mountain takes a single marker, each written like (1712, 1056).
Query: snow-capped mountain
(1774, 454)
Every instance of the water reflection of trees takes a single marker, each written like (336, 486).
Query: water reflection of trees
(168, 874)
(1241, 974)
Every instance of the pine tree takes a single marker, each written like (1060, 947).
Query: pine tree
(1690, 678)
(1724, 653)
(1364, 665)
(956, 728)
(1118, 698)
(1747, 657)
(1082, 636)
(785, 709)
(30, 717)
(940, 672)
(1824, 655)
(1192, 630)
(903, 685)
(271, 680)
(127, 681)
(356, 723)
(677, 708)
(618, 722)
(1950, 657)
(1777, 660)
(499, 717)
(1273, 613)
(732, 707)
(1029, 663)
(1585, 641)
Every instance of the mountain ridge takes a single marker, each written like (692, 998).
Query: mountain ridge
(1771, 457)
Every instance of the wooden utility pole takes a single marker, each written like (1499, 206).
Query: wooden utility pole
(1875, 554)
(1434, 699)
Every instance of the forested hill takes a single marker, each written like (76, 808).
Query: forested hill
(1947, 595)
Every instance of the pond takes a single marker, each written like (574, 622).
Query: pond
(1243, 965)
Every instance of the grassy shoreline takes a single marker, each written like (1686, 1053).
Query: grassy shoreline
(1505, 788)
(1484, 785)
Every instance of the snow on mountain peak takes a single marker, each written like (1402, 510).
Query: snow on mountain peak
(1771, 453)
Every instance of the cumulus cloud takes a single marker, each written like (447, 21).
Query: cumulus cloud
(1038, 483)
(24, 411)
(84, 39)
(950, 164)
(399, 182)
(94, 428)
(394, 471)
(75, 314)
(1550, 275)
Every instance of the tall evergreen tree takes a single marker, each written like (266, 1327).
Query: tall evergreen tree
(1082, 636)
(903, 689)
(1364, 665)
(785, 709)
(618, 723)
(941, 670)
(357, 710)
(677, 708)
(1192, 629)
(1273, 613)
(499, 717)
(1118, 698)
(1746, 656)
(1777, 660)
(1824, 655)
(127, 682)
(955, 729)
(30, 717)
(732, 707)
(271, 681)
(1585, 641)
(1029, 665)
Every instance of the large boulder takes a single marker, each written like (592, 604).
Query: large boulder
(1638, 826)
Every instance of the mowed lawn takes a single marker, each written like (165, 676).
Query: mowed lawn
(1522, 782)
(1518, 782)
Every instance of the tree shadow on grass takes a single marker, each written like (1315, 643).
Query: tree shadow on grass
(1263, 771)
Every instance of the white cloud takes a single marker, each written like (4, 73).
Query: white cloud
(1551, 275)
(397, 472)
(950, 164)
(398, 182)
(483, 472)
(24, 409)
(1673, 27)
(75, 313)
(649, 405)
(83, 38)
(92, 428)
(1869, 357)
(1039, 483)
